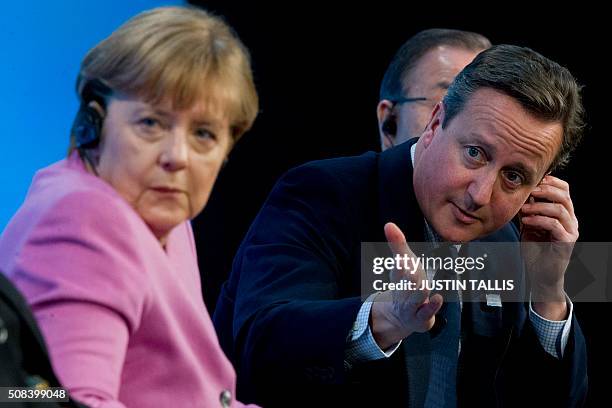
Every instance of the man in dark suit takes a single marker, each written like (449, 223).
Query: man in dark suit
(24, 357)
(291, 317)
(417, 78)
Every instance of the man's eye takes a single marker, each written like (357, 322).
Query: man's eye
(474, 153)
(514, 178)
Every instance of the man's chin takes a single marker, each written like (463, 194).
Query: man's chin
(454, 233)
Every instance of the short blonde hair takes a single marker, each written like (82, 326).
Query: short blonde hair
(183, 54)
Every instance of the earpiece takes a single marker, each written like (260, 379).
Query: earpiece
(87, 125)
(389, 127)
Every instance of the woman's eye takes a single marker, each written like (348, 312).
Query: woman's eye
(149, 122)
(205, 134)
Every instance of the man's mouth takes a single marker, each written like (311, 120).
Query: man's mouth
(463, 216)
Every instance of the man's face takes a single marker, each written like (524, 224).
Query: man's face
(430, 78)
(472, 177)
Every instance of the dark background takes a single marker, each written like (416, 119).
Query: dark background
(318, 69)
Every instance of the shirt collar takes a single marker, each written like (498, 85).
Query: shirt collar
(430, 234)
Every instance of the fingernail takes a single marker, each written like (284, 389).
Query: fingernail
(537, 189)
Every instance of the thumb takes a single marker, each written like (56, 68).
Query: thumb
(428, 310)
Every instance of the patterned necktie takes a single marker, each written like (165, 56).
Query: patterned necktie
(442, 388)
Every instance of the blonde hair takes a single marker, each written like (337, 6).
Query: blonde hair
(183, 54)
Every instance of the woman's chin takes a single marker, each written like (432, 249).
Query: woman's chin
(162, 224)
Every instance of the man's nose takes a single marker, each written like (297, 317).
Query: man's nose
(480, 190)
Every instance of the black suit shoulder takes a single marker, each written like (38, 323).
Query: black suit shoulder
(25, 361)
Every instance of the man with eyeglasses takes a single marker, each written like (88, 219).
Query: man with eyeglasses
(417, 79)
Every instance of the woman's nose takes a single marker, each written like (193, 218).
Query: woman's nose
(174, 151)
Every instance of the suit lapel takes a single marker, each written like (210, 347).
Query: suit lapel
(398, 204)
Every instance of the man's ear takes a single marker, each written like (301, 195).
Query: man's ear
(435, 121)
(386, 123)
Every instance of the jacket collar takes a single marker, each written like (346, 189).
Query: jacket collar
(397, 201)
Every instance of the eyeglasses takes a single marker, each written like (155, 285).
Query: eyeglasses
(403, 99)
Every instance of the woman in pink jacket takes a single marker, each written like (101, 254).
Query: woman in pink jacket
(102, 247)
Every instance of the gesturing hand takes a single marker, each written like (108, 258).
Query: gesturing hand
(399, 313)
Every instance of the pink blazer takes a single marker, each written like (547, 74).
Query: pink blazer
(124, 320)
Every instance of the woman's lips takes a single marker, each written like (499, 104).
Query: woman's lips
(167, 190)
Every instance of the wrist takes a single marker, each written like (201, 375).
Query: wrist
(555, 311)
(549, 302)
(384, 330)
(548, 293)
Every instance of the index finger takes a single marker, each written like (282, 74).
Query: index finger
(397, 240)
(556, 190)
(397, 243)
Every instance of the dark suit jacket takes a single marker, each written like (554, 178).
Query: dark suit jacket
(293, 296)
(24, 361)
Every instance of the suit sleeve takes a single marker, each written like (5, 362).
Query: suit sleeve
(87, 288)
(529, 374)
(291, 315)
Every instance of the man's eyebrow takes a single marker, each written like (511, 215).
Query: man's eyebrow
(517, 166)
(521, 168)
(489, 147)
(443, 84)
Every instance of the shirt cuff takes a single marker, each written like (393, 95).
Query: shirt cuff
(553, 334)
(360, 343)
